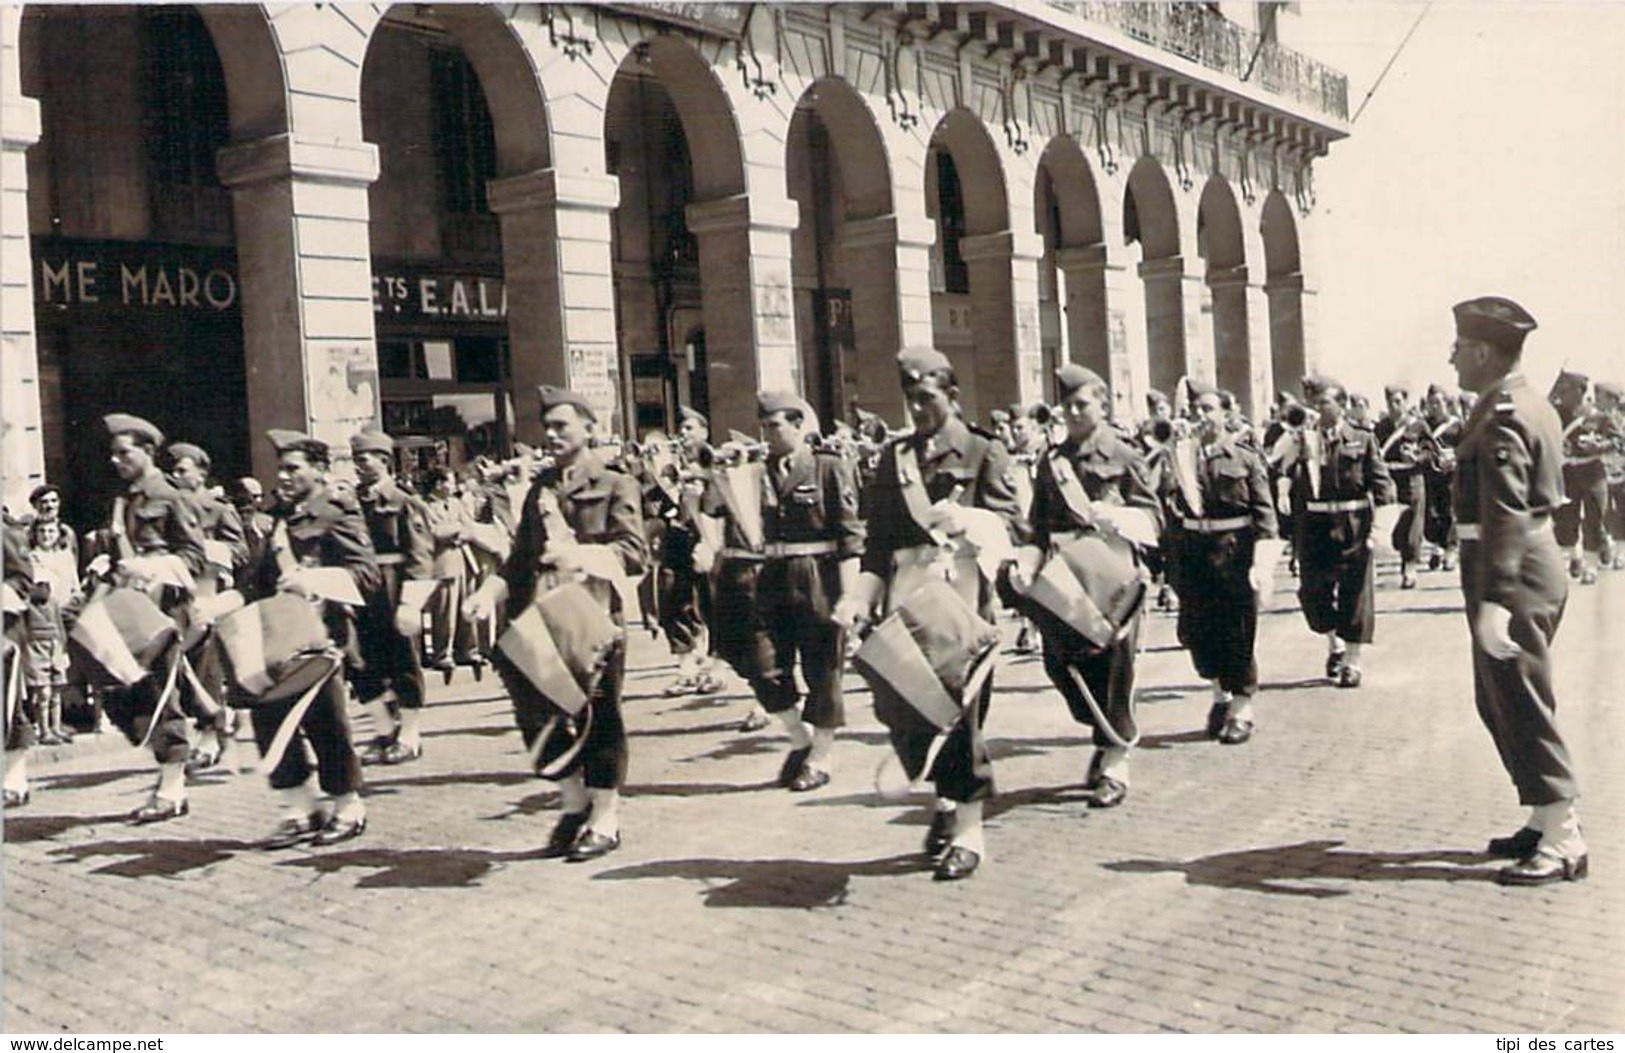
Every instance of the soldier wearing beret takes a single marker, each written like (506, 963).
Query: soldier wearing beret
(575, 500)
(1092, 467)
(1443, 424)
(1588, 435)
(1611, 401)
(321, 525)
(152, 518)
(1403, 439)
(1155, 440)
(777, 592)
(1508, 483)
(1338, 477)
(1220, 514)
(390, 684)
(944, 463)
(684, 592)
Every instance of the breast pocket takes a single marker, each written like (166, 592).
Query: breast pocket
(1233, 483)
(1102, 480)
(589, 511)
(1351, 471)
(948, 479)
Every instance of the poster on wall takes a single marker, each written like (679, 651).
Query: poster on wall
(593, 374)
(344, 393)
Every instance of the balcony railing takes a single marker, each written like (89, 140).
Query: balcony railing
(1195, 32)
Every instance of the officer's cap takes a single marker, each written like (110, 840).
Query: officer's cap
(1071, 376)
(129, 424)
(186, 451)
(1495, 320)
(370, 440)
(284, 440)
(553, 397)
(916, 364)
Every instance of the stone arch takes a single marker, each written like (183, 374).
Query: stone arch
(1221, 242)
(1150, 213)
(1283, 286)
(256, 83)
(1151, 217)
(1079, 261)
(513, 92)
(866, 168)
(705, 110)
(964, 136)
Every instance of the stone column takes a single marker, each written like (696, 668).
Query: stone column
(1197, 304)
(22, 446)
(1087, 318)
(1125, 306)
(1309, 302)
(304, 266)
(750, 333)
(1285, 295)
(1165, 321)
(556, 267)
(1233, 365)
(1004, 317)
(887, 261)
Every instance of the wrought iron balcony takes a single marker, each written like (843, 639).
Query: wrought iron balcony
(1196, 33)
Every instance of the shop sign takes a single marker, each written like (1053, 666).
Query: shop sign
(720, 19)
(117, 274)
(415, 295)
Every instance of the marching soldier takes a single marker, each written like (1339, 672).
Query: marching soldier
(944, 463)
(1223, 511)
(1338, 477)
(1092, 467)
(684, 595)
(152, 518)
(1509, 482)
(1439, 465)
(1588, 434)
(594, 505)
(782, 591)
(390, 686)
(1402, 437)
(321, 526)
(1611, 400)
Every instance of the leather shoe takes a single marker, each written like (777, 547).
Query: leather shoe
(290, 832)
(793, 764)
(1520, 845)
(707, 684)
(1349, 676)
(957, 864)
(1109, 793)
(592, 845)
(1544, 868)
(1217, 717)
(395, 753)
(338, 830)
(375, 752)
(753, 722)
(1334, 664)
(159, 809)
(679, 687)
(940, 835)
(1236, 732)
(809, 778)
(1407, 580)
(17, 798)
(566, 832)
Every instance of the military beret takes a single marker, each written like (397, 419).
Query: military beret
(130, 424)
(370, 440)
(771, 402)
(915, 364)
(42, 490)
(1155, 398)
(1567, 380)
(1437, 389)
(1195, 389)
(690, 413)
(553, 397)
(1609, 390)
(1390, 390)
(1071, 376)
(999, 416)
(1316, 383)
(1494, 319)
(186, 451)
(285, 441)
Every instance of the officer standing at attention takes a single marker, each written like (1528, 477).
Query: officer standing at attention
(1509, 481)
(1221, 516)
(1093, 466)
(390, 688)
(953, 463)
(599, 506)
(324, 528)
(1338, 477)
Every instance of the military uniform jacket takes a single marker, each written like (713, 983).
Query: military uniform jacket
(1234, 484)
(327, 529)
(1589, 441)
(1404, 456)
(398, 523)
(160, 519)
(601, 507)
(1110, 471)
(1351, 469)
(1509, 478)
(220, 522)
(955, 458)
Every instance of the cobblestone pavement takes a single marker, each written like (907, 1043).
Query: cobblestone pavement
(1324, 878)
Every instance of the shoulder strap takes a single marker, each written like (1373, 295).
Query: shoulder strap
(912, 484)
(1077, 501)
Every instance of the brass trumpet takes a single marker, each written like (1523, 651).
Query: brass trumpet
(730, 454)
(1295, 416)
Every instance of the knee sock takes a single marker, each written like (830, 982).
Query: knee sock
(800, 736)
(17, 771)
(823, 744)
(606, 811)
(383, 721)
(968, 827)
(411, 736)
(171, 781)
(1354, 654)
(348, 807)
(1114, 763)
(573, 794)
(298, 802)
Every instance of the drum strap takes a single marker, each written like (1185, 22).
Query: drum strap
(1071, 487)
(912, 484)
(561, 764)
(1095, 711)
(14, 680)
(209, 701)
(175, 661)
(967, 703)
(290, 723)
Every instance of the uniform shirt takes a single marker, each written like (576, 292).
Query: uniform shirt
(398, 523)
(220, 522)
(1509, 476)
(1234, 484)
(160, 519)
(1351, 468)
(1590, 440)
(601, 507)
(327, 529)
(1110, 471)
(1404, 454)
(811, 496)
(955, 458)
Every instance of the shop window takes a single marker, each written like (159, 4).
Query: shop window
(951, 222)
(186, 122)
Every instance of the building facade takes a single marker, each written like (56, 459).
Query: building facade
(320, 216)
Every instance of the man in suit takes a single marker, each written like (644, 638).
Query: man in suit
(576, 500)
(1508, 484)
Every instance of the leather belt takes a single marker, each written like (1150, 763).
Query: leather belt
(1590, 458)
(785, 550)
(1333, 507)
(1473, 532)
(1216, 526)
(391, 559)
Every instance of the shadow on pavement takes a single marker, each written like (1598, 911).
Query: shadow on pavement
(90, 779)
(484, 731)
(1282, 869)
(693, 789)
(21, 829)
(687, 729)
(469, 778)
(1175, 738)
(414, 867)
(1296, 685)
(154, 858)
(798, 884)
